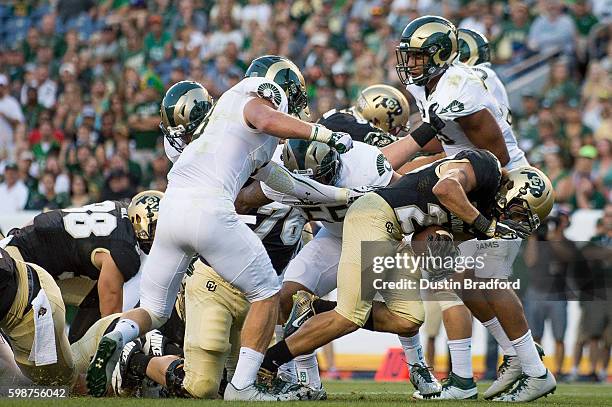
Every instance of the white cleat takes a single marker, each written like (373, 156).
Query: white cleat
(529, 388)
(425, 382)
(508, 373)
(454, 388)
(251, 393)
(286, 392)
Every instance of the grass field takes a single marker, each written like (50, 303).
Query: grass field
(343, 393)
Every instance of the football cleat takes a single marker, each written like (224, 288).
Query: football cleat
(507, 374)
(453, 388)
(422, 380)
(529, 388)
(281, 392)
(100, 370)
(126, 384)
(302, 311)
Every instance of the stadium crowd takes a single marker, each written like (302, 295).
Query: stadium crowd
(81, 82)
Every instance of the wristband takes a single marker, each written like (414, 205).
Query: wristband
(423, 134)
(320, 133)
(482, 224)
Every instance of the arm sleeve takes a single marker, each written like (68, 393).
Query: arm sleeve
(282, 186)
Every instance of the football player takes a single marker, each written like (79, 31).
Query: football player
(209, 346)
(32, 314)
(438, 194)
(91, 251)
(378, 118)
(458, 109)
(197, 215)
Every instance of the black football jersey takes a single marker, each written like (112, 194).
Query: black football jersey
(280, 229)
(346, 121)
(8, 282)
(63, 241)
(416, 206)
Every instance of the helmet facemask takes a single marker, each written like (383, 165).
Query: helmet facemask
(423, 57)
(515, 207)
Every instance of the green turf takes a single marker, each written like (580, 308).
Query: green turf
(343, 393)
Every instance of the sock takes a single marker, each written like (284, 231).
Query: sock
(496, 330)
(412, 349)
(279, 333)
(320, 305)
(287, 368)
(247, 368)
(128, 328)
(528, 355)
(138, 364)
(276, 356)
(461, 357)
(307, 370)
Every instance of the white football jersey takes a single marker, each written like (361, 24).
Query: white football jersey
(495, 86)
(363, 165)
(228, 150)
(460, 92)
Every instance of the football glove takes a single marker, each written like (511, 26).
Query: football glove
(440, 247)
(379, 138)
(342, 142)
(501, 229)
(356, 193)
(434, 120)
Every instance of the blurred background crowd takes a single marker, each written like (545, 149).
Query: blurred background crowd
(81, 81)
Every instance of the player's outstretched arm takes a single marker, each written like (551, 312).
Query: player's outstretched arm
(110, 284)
(262, 115)
(283, 186)
(422, 138)
(482, 130)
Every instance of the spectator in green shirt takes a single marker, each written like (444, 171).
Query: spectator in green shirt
(48, 199)
(157, 42)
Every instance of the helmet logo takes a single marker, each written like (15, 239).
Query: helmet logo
(536, 184)
(152, 202)
(392, 107)
(269, 92)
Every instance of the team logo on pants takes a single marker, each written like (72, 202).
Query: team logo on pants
(211, 285)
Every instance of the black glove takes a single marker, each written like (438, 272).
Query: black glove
(434, 120)
(379, 138)
(440, 249)
(502, 229)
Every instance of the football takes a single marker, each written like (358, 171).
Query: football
(419, 240)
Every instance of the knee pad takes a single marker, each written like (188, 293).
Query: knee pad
(175, 374)
(156, 320)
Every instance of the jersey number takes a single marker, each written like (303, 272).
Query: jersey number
(95, 218)
(325, 213)
(409, 214)
(292, 224)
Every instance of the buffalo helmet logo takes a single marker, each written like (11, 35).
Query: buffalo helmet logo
(536, 184)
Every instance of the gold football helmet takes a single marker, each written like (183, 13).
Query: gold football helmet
(312, 159)
(143, 212)
(525, 192)
(385, 107)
